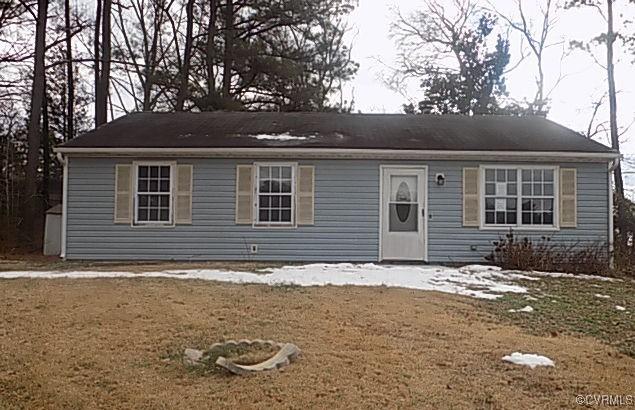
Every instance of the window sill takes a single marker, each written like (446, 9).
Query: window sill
(144, 225)
(274, 226)
(519, 228)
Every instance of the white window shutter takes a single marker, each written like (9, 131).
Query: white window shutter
(183, 194)
(471, 200)
(244, 194)
(568, 198)
(305, 196)
(123, 193)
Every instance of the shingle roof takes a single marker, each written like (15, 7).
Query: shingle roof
(330, 130)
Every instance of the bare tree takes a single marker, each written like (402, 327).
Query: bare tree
(187, 56)
(228, 61)
(33, 206)
(70, 78)
(102, 60)
(538, 41)
(607, 39)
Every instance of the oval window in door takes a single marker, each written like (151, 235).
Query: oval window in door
(403, 195)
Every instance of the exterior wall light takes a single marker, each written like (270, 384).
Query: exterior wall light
(440, 179)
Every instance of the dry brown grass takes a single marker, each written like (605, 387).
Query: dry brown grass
(116, 343)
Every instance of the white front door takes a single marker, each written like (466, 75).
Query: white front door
(403, 218)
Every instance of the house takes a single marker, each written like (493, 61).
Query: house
(328, 187)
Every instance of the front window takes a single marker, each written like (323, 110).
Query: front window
(517, 196)
(154, 194)
(275, 197)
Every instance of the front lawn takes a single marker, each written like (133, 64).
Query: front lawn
(601, 309)
(117, 343)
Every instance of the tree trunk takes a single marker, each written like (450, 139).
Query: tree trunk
(46, 151)
(70, 80)
(610, 68)
(187, 56)
(101, 104)
(229, 44)
(32, 209)
(209, 57)
(97, 65)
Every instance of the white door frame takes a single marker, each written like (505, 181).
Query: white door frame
(425, 205)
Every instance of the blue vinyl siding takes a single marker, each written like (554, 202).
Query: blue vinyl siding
(346, 216)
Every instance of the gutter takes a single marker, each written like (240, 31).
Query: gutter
(339, 153)
(64, 161)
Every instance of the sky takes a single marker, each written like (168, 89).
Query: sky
(571, 101)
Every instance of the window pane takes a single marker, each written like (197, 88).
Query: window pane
(154, 200)
(165, 214)
(143, 172)
(285, 215)
(154, 172)
(275, 201)
(264, 201)
(275, 215)
(526, 204)
(275, 172)
(143, 185)
(537, 218)
(500, 175)
(526, 218)
(526, 175)
(537, 175)
(275, 186)
(264, 172)
(490, 189)
(511, 175)
(165, 172)
(286, 201)
(489, 217)
(548, 189)
(143, 214)
(286, 172)
(548, 174)
(500, 218)
(537, 189)
(511, 204)
(526, 189)
(548, 205)
(286, 186)
(490, 175)
(143, 200)
(489, 203)
(511, 189)
(154, 186)
(547, 218)
(165, 185)
(263, 215)
(165, 201)
(154, 214)
(511, 217)
(265, 186)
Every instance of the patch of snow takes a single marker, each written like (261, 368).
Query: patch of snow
(526, 309)
(529, 359)
(620, 308)
(529, 297)
(469, 281)
(601, 296)
(282, 137)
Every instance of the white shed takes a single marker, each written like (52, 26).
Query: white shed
(53, 231)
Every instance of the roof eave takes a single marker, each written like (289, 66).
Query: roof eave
(316, 153)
